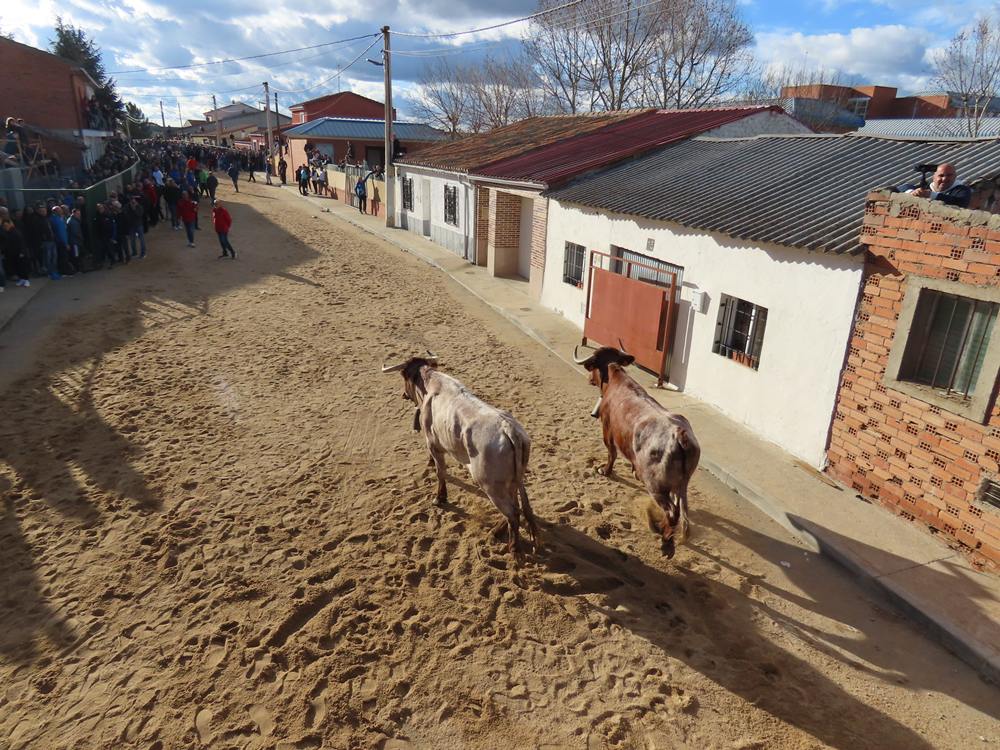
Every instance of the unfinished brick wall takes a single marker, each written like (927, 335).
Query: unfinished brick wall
(539, 224)
(920, 460)
(482, 223)
(504, 233)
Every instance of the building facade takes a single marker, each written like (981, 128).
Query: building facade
(341, 104)
(917, 427)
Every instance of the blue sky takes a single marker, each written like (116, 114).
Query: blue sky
(887, 42)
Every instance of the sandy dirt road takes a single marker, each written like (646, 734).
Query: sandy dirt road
(216, 532)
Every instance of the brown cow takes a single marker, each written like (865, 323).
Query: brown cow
(660, 444)
(489, 442)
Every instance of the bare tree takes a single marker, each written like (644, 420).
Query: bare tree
(969, 68)
(557, 44)
(702, 54)
(622, 37)
(495, 91)
(445, 96)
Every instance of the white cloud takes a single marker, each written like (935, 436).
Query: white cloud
(893, 55)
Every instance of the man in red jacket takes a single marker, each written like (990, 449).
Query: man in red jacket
(187, 210)
(222, 222)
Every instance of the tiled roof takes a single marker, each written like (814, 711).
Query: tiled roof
(362, 130)
(931, 127)
(566, 158)
(477, 151)
(799, 191)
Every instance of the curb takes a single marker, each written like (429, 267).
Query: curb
(17, 313)
(944, 632)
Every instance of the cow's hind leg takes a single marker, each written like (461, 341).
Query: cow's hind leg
(437, 458)
(529, 518)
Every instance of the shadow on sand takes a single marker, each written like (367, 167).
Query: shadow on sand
(73, 453)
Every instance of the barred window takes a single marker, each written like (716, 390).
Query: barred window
(407, 193)
(947, 343)
(739, 331)
(573, 262)
(451, 205)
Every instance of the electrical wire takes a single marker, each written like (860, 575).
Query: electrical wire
(444, 35)
(248, 57)
(326, 80)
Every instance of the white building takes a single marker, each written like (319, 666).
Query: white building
(481, 197)
(764, 235)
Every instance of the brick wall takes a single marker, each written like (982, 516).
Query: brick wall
(40, 88)
(504, 233)
(482, 224)
(920, 460)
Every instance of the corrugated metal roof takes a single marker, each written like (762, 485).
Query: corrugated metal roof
(930, 127)
(363, 130)
(801, 191)
(477, 151)
(566, 158)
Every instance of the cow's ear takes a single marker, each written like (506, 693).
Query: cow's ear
(627, 360)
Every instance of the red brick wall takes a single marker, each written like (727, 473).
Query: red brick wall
(345, 104)
(39, 87)
(482, 223)
(921, 461)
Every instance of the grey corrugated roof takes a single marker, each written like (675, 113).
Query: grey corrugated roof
(363, 130)
(801, 191)
(930, 127)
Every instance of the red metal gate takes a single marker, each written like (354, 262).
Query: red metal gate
(637, 313)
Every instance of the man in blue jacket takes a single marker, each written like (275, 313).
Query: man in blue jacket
(59, 233)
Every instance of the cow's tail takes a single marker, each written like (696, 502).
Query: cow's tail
(522, 452)
(690, 453)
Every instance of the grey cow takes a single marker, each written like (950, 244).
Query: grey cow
(489, 442)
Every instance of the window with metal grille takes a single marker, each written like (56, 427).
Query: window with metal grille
(451, 205)
(573, 264)
(948, 341)
(739, 330)
(408, 194)
(653, 270)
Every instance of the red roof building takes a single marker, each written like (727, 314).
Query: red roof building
(490, 208)
(341, 104)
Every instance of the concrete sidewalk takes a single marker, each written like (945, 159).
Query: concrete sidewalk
(930, 582)
(16, 298)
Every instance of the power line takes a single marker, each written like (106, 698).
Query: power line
(491, 27)
(339, 71)
(241, 59)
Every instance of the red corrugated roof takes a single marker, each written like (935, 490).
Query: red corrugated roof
(569, 157)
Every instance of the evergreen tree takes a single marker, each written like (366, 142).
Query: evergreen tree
(73, 44)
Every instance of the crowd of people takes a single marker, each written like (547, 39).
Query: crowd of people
(62, 235)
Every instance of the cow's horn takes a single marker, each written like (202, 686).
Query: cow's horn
(394, 368)
(431, 357)
(576, 359)
(621, 347)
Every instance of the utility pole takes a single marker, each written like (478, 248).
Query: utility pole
(180, 119)
(277, 126)
(267, 120)
(390, 186)
(163, 120)
(218, 123)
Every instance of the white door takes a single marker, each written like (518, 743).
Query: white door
(425, 205)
